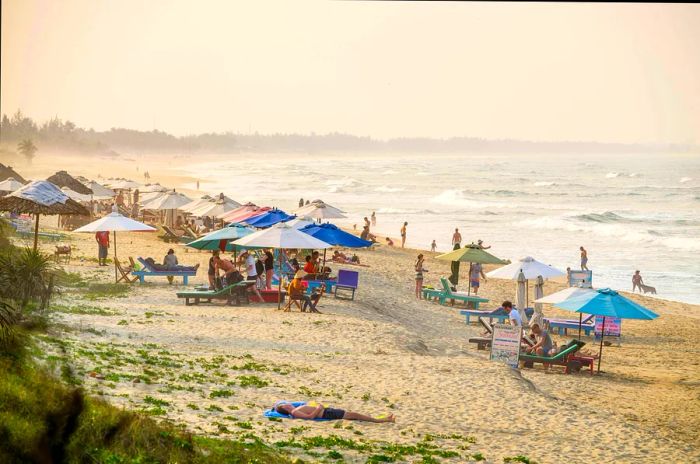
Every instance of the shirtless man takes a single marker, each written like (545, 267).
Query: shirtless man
(584, 259)
(637, 281)
(306, 411)
(456, 238)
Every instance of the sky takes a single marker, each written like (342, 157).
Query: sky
(553, 71)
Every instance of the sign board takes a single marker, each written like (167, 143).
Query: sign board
(613, 326)
(583, 279)
(505, 344)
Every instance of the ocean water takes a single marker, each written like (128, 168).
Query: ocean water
(629, 211)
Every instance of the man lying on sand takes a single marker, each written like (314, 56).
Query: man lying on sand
(306, 411)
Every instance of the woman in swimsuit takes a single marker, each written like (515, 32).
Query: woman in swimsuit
(306, 411)
(403, 234)
(419, 276)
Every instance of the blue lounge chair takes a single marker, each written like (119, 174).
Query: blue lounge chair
(562, 326)
(347, 281)
(148, 271)
(499, 314)
(448, 294)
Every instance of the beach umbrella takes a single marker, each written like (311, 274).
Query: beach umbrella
(333, 235)
(167, 201)
(562, 295)
(268, 218)
(537, 315)
(194, 204)
(10, 185)
(228, 201)
(221, 239)
(99, 191)
(41, 197)
(454, 269)
(521, 296)
(471, 253)
(115, 222)
(63, 179)
(124, 184)
(530, 268)
(149, 188)
(212, 208)
(282, 237)
(607, 303)
(299, 223)
(246, 208)
(243, 215)
(73, 195)
(6, 172)
(320, 210)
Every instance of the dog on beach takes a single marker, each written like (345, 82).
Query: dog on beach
(648, 289)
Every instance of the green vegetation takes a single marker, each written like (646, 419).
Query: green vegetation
(100, 291)
(252, 381)
(519, 458)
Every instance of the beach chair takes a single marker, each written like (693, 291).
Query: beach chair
(63, 253)
(347, 281)
(564, 325)
(294, 298)
(148, 271)
(432, 294)
(563, 358)
(448, 294)
(125, 272)
(485, 342)
(234, 294)
(167, 234)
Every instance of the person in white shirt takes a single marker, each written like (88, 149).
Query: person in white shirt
(513, 314)
(251, 272)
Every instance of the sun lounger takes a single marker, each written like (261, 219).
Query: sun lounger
(233, 294)
(167, 235)
(499, 314)
(563, 358)
(175, 236)
(448, 294)
(347, 281)
(564, 325)
(148, 271)
(484, 342)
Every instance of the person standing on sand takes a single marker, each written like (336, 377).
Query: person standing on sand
(637, 281)
(197, 184)
(456, 238)
(433, 246)
(269, 268)
(475, 272)
(366, 222)
(374, 219)
(102, 239)
(419, 276)
(584, 259)
(403, 234)
(301, 202)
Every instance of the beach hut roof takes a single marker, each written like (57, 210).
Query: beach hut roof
(7, 171)
(10, 185)
(72, 194)
(63, 179)
(98, 189)
(41, 197)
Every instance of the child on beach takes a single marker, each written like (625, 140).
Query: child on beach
(419, 276)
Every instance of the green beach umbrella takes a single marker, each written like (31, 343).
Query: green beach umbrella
(471, 253)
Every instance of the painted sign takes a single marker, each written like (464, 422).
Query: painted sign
(505, 344)
(613, 326)
(583, 279)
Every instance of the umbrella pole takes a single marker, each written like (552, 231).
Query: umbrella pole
(469, 280)
(600, 353)
(36, 232)
(116, 279)
(580, 323)
(279, 281)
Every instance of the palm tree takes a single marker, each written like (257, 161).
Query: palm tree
(27, 148)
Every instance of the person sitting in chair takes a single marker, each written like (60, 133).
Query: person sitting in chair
(544, 344)
(297, 291)
(171, 264)
(306, 411)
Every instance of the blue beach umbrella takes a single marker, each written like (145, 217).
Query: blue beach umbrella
(269, 218)
(607, 303)
(221, 239)
(335, 236)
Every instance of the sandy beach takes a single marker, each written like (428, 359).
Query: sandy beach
(215, 368)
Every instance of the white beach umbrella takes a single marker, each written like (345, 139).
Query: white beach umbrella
(521, 296)
(569, 292)
(320, 210)
(212, 208)
(99, 191)
(281, 236)
(299, 222)
(115, 222)
(194, 204)
(153, 188)
(10, 185)
(537, 315)
(530, 267)
(166, 201)
(124, 184)
(73, 195)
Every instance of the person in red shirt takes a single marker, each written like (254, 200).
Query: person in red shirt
(102, 239)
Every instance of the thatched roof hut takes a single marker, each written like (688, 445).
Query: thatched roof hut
(7, 171)
(41, 197)
(63, 179)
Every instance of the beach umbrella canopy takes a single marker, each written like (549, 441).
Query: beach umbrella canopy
(41, 197)
(268, 218)
(153, 188)
(10, 185)
(562, 295)
(7, 172)
(115, 222)
(241, 209)
(166, 201)
(212, 208)
(607, 303)
(299, 223)
(63, 179)
(537, 315)
(471, 253)
(320, 210)
(99, 191)
(194, 204)
(283, 237)
(221, 239)
(124, 184)
(243, 215)
(335, 236)
(530, 267)
(228, 200)
(521, 296)
(73, 195)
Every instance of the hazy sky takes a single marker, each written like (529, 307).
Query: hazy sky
(628, 73)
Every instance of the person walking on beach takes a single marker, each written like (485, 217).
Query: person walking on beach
(374, 219)
(584, 259)
(637, 281)
(433, 246)
(251, 272)
(419, 276)
(456, 238)
(403, 234)
(102, 239)
(309, 412)
(475, 272)
(301, 202)
(269, 268)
